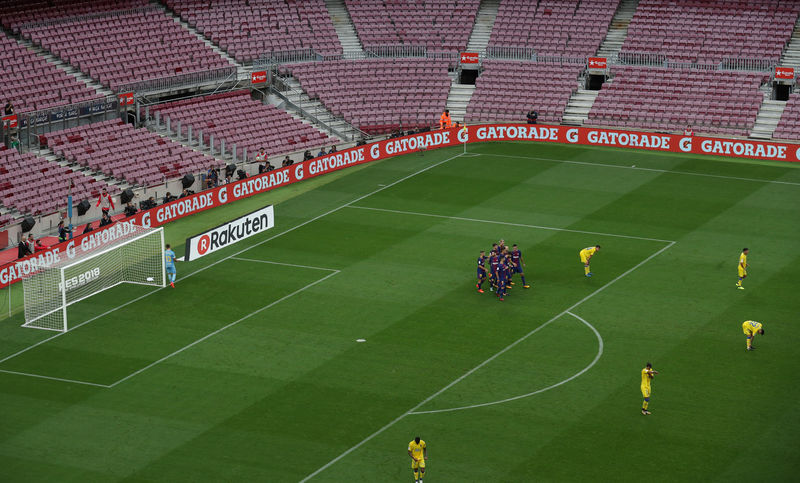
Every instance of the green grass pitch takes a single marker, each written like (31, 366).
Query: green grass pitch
(249, 370)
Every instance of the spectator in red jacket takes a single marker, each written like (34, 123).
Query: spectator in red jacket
(105, 202)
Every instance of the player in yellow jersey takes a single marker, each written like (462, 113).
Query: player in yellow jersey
(586, 254)
(750, 329)
(419, 453)
(742, 268)
(647, 374)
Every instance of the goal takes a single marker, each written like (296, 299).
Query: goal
(128, 253)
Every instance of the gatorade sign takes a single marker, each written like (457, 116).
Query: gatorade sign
(229, 233)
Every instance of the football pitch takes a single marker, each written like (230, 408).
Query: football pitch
(250, 369)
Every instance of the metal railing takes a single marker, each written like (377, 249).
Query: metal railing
(638, 58)
(741, 63)
(398, 50)
(279, 88)
(510, 53)
(32, 124)
(286, 57)
(179, 80)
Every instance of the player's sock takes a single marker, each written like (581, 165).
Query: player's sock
(645, 404)
(586, 269)
(523, 280)
(749, 343)
(416, 476)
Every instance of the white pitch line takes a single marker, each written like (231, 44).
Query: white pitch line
(212, 334)
(237, 253)
(539, 391)
(523, 225)
(490, 359)
(284, 264)
(54, 378)
(654, 170)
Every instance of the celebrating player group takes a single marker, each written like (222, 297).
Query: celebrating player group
(503, 265)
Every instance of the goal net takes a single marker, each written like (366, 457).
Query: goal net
(135, 255)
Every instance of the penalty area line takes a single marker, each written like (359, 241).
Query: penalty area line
(490, 359)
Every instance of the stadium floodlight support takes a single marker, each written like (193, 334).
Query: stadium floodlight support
(129, 254)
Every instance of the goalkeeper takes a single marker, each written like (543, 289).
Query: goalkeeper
(169, 261)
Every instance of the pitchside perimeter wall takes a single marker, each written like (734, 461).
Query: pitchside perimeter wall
(205, 200)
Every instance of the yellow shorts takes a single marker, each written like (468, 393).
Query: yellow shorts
(742, 273)
(418, 464)
(645, 392)
(584, 260)
(748, 333)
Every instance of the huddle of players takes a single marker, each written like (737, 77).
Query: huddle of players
(503, 264)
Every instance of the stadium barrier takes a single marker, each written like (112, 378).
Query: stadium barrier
(205, 200)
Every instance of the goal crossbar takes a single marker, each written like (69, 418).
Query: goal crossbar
(135, 258)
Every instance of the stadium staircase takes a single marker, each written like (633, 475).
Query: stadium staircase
(345, 30)
(66, 67)
(243, 74)
(619, 29)
(791, 54)
(578, 107)
(769, 115)
(336, 127)
(49, 155)
(484, 22)
(460, 94)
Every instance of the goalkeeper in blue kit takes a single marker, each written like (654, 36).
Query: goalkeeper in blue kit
(169, 261)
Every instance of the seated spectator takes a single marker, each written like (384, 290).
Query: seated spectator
(22, 249)
(130, 210)
(167, 198)
(212, 178)
(321, 152)
(286, 162)
(8, 109)
(63, 232)
(184, 194)
(333, 149)
(265, 168)
(105, 220)
(261, 156)
(14, 142)
(688, 131)
(532, 117)
(228, 179)
(307, 155)
(88, 228)
(269, 168)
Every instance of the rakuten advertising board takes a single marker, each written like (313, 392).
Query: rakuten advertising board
(225, 235)
(205, 200)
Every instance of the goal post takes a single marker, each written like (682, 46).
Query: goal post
(134, 255)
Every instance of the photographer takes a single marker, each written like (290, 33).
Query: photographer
(212, 177)
(104, 221)
(167, 198)
(532, 117)
(130, 210)
(307, 155)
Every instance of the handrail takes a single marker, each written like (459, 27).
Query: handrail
(305, 113)
(169, 82)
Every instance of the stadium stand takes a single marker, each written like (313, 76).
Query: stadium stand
(250, 29)
(717, 102)
(789, 125)
(238, 119)
(439, 25)
(32, 83)
(135, 155)
(34, 185)
(126, 46)
(712, 30)
(553, 27)
(379, 95)
(507, 90)
(14, 13)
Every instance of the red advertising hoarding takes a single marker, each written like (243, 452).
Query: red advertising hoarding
(10, 122)
(259, 77)
(212, 198)
(126, 99)
(469, 57)
(598, 63)
(784, 73)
